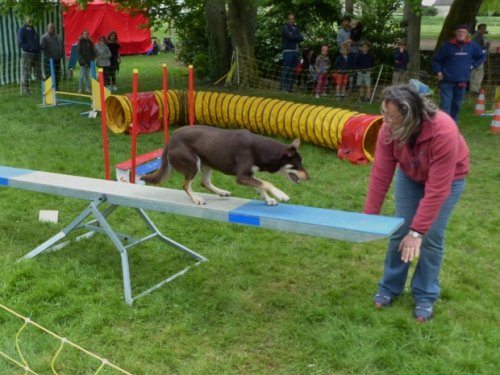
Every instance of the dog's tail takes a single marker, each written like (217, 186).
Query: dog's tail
(163, 173)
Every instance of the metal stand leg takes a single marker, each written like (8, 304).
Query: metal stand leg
(101, 225)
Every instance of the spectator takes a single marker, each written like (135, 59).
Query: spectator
(114, 47)
(322, 65)
(156, 47)
(453, 63)
(356, 35)
(103, 59)
(27, 39)
(344, 33)
(364, 63)
(401, 60)
(291, 38)
(478, 73)
(311, 59)
(343, 64)
(53, 49)
(423, 147)
(85, 54)
(168, 45)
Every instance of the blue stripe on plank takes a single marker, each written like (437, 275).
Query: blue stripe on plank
(253, 212)
(243, 219)
(9, 172)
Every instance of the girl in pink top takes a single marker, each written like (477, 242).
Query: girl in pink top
(423, 148)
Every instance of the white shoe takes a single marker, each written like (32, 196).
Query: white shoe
(317, 96)
(114, 88)
(79, 91)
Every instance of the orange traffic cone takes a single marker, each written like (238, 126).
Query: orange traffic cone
(495, 122)
(479, 110)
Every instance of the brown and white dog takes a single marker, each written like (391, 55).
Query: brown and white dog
(237, 153)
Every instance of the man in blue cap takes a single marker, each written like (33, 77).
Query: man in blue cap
(453, 64)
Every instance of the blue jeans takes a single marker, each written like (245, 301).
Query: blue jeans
(287, 74)
(84, 81)
(425, 282)
(452, 96)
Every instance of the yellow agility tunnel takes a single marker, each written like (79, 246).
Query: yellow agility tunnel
(353, 134)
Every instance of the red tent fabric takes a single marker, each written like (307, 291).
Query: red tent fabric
(100, 18)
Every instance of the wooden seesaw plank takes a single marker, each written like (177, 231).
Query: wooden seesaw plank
(335, 224)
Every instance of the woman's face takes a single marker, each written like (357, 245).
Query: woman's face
(85, 34)
(392, 116)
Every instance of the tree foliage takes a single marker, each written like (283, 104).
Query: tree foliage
(317, 20)
(380, 28)
(21, 8)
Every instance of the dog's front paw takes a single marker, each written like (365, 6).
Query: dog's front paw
(271, 202)
(224, 193)
(198, 200)
(281, 196)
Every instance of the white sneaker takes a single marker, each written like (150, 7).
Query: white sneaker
(79, 91)
(114, 88)
(317, 96)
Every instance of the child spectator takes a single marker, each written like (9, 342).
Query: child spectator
(401, 60)
(364, 62)
(85, 54)
(114, 47)
(322, 65)
(344, 33)
(103, 58)
(343, 64)
(356, 35)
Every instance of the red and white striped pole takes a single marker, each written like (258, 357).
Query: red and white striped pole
(165, 103)
(191, 95)
(135, 87)
(105, 146)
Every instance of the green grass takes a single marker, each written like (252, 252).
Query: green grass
(431, 27)
(267, 302)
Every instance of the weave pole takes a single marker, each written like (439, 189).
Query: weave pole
(104, 125)
(191, 95)
(165, 103)
(135, 89)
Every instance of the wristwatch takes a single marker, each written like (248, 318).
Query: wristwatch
(415, 234)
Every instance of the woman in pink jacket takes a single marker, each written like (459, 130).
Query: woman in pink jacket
(423, 148)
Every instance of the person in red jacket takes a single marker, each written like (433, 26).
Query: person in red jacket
(423, 147)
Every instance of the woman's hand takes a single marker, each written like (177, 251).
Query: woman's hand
(410, 248)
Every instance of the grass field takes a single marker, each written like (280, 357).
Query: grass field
(431, 27)
(266, 302)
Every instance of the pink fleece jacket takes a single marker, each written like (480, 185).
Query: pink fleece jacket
(439, 156)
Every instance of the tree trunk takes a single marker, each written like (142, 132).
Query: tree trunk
(349, 7)
(242, 23)
(413, 19)
(461, 12)
(219, 60)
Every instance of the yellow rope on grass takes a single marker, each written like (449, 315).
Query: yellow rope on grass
(24, 365)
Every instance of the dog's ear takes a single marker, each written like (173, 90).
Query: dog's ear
(295, 144)
(292, 149)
